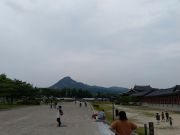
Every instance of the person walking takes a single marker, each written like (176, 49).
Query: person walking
(51, 104)
(85, 104)
(55, 105)
(59, 114)
(117, 112)
(162, 117)
(167, 116)
(157, 118)
(170, 121)
(122, 126)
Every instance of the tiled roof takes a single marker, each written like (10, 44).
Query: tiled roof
(141, 88)
(162, 92)
(177, 88)
(149, 91)
(143, 93)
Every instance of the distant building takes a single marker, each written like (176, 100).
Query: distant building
(162, 98)
(170, 96)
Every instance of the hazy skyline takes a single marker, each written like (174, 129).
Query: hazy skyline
(98, 42)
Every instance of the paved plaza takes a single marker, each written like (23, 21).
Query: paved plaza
(41, 120)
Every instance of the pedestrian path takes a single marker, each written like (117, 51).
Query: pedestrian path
(104, 129)
(102, 126)
(41, 120)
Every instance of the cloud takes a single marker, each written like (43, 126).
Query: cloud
(101, 42)
(15, 6)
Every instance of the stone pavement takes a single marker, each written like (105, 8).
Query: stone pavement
(41, 120)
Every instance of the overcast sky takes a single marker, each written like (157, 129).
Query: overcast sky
(98, 42)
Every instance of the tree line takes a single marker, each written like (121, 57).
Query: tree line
(12, 90)
(17, 91)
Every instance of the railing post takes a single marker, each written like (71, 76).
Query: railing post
(145, 129)
(151, 128)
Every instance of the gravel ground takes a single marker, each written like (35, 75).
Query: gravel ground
(138, 116)
(41, 120)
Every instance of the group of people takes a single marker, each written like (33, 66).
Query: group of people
(80, 103)
(121, 126)
(85, 104)
(53, 105)
(164, 117)
(99, 116)
(60, 111)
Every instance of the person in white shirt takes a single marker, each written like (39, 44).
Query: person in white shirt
(59, 113)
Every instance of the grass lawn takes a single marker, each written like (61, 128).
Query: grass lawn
(107, 106)
(9, 106)
(150, 114)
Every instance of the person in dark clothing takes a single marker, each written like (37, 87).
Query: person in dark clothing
(80, 104)
(170, 121)
(117, 112)
(167, 116)
(162, 116)
(157, 118)
(85, 104)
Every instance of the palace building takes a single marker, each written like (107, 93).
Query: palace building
(160, 98)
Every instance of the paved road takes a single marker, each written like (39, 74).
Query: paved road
(41, 120)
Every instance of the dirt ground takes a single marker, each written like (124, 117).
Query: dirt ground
(143, 115)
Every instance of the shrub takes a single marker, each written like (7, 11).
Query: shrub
(28, 102)
(95, 105)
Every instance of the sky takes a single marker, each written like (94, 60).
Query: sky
(98, 42)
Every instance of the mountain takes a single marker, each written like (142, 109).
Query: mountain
(68, 82)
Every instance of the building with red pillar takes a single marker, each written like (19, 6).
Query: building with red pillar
(168, 99)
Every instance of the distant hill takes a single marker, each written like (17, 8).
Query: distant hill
(67, 82)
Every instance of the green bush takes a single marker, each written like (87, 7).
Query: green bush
(96, 106)
(126, 100)
(28, 102)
